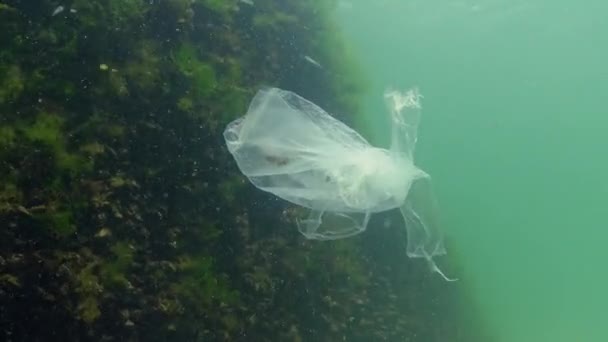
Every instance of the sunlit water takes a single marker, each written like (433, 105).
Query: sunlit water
(514, 134)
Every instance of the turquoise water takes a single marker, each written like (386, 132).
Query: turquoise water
(514, 135)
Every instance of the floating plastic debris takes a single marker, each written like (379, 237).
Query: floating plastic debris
(290, 147)
(247, 2)
(103, 67)
(313, 62)
(57, 10)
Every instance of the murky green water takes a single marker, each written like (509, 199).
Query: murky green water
(514, 134)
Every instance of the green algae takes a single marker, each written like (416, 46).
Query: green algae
(118, 82)
(201, 74)
(113, 273)
(8, 137)
(186, 104)
(48, 129)
(93, 149)
(62, 222)
(119, 13)
(200, 284)
(222, 7)
(5, 7)
(10, 196)
(143, 71)
(12, 83)
(88, 310)
(88, 289)
(9, 279)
